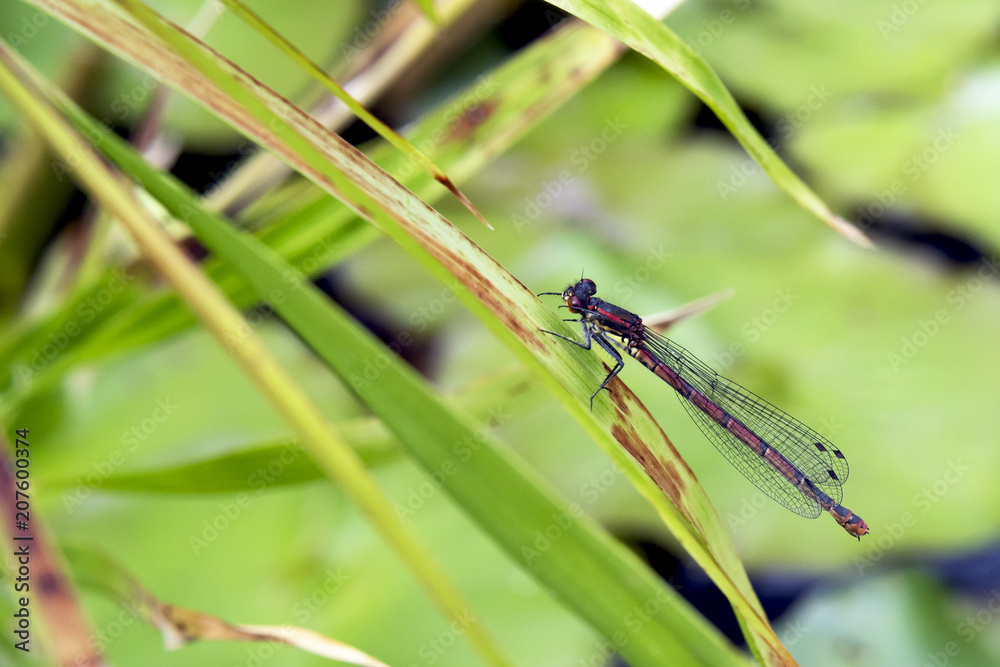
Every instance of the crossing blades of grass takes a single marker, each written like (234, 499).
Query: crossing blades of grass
(629, 22)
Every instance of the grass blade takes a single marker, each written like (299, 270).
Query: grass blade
(320, 75)
(598, 578)
(504, 305)
(627, 21)
(181, 626)
(226, 324)
(241, 468)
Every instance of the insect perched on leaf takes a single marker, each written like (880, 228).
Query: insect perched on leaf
(786, 459)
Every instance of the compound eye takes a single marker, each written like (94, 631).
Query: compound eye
(573, 301)
(587, 287)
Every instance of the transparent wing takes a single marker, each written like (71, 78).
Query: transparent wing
(812, 454)
(753, 467)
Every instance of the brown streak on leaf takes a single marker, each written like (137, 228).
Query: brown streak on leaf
(446, 182)
(465, 125)
(519, 388)
(664, 474)
(621, 404)
(483, 289)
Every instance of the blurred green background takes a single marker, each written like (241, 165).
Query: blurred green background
(890, 110)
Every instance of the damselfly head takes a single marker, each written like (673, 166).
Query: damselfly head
(585, 289)
(577, 296)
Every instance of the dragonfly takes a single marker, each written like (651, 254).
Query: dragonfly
(784, 458)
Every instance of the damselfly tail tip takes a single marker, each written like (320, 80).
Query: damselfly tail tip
(851, 522)
(856, 526)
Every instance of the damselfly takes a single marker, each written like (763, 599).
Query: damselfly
(786, 459)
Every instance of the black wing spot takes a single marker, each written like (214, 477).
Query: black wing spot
(837, 453)
(832, 475)
(819, 446)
